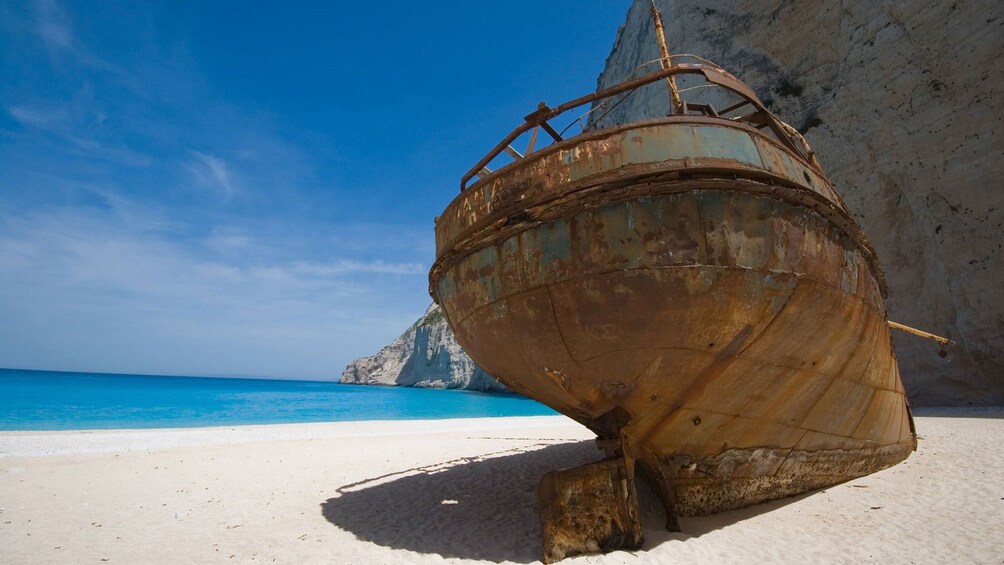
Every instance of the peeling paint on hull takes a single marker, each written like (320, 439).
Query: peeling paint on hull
(693, 291)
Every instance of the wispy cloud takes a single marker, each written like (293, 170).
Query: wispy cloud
(121, 281)
(44, 118)
(212, 172)
(345, 266)
(133, 250)
(150, 223)
(63, 122)
(121, 155)
(227, 240)
(53, 25)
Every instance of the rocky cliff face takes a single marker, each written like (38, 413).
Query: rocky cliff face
(902, 103)
(426, 355)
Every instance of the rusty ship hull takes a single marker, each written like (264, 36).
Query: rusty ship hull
(692, 289)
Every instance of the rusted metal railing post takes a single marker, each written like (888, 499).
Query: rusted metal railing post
(920, 333)
(660, 36)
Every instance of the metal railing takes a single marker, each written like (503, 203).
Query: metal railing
(758, 115)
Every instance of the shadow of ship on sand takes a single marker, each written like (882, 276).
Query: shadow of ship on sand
(486, 507)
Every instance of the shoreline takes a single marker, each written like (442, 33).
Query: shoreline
(28, 443)
(457, 490)
(53, 443)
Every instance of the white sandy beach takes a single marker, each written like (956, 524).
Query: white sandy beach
(453, 490)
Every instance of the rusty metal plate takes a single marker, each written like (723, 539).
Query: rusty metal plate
(694, 291)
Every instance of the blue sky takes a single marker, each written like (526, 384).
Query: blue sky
(248, 188)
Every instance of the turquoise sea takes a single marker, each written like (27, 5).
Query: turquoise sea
(47, 400)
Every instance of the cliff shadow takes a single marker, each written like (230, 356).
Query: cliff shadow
(991, 412)
(486, 507)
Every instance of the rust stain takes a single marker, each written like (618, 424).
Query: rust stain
(691, 288)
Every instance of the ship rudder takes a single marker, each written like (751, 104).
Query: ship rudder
(589, 509)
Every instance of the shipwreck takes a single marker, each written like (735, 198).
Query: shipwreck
(691, 288)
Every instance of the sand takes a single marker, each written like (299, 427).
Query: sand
(454, 491)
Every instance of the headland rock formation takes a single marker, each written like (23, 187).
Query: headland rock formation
(426, 355)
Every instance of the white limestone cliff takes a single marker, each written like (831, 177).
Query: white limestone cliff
(426, 355)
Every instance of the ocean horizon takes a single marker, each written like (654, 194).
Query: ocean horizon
(36, 400)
